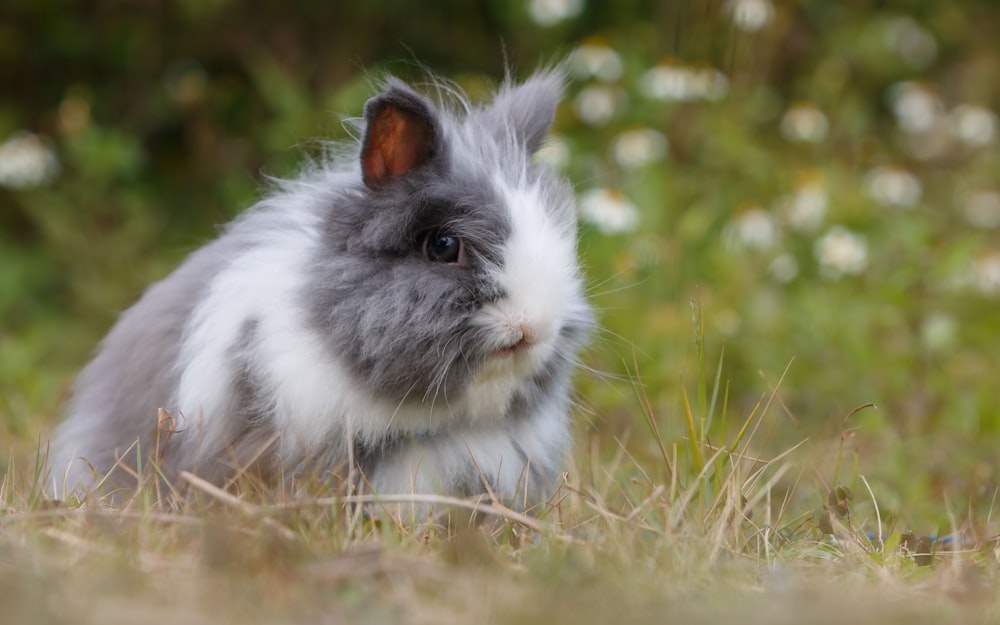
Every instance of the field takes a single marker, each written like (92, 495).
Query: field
(790, 228)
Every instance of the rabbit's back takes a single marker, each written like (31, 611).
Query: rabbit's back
(117, 396)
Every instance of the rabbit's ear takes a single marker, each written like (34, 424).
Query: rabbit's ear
(526, 110)
(401, 134)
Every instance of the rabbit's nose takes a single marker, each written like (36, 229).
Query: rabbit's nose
(525, 336)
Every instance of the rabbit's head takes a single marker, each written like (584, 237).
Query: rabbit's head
(448, 275)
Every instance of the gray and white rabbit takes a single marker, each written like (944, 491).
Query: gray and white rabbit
(410, 309)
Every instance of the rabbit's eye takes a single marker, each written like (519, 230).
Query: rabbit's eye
(439, 247)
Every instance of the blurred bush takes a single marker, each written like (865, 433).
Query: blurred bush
(820, 176)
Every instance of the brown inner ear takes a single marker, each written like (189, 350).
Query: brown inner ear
(398, 141)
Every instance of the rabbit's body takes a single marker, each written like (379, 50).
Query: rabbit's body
(417, 318)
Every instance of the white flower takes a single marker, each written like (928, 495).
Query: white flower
(609, 210)
(753, 228)
(891, 186)
(974, 126)
(938, 331)
(668, 82)
(26, 160)
(806, 209)
(982, 209)
(550, 12)
(783, 268)
(554, 152)
(805, 123)
(597, 104)
(597, 60)
(671, 82)
(749, 15)
(917, 108)
(986, 273)
(914, 45)
(841, 252)
(709, 83)
(638, 147)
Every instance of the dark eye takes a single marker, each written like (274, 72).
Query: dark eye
(439, 247)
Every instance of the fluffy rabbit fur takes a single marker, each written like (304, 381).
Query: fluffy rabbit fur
(407, 313)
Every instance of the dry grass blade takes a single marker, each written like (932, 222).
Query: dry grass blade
(494, 509)
(217, 493)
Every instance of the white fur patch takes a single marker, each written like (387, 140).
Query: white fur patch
(540, 279)
(440, 463)
(256, 285)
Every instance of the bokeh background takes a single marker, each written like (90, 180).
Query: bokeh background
(819, 179)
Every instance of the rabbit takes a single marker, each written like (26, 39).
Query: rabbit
(408, 311)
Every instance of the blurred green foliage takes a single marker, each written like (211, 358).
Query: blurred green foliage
(821, 177)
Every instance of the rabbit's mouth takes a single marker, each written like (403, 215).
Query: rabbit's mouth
(516, 355)
(522, 344)
(524, 336)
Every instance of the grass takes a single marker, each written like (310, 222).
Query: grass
(704, 530)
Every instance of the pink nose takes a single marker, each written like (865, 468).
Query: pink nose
(527, 338)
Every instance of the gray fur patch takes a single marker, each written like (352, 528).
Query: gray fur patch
(401, 322)
(114, 409)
